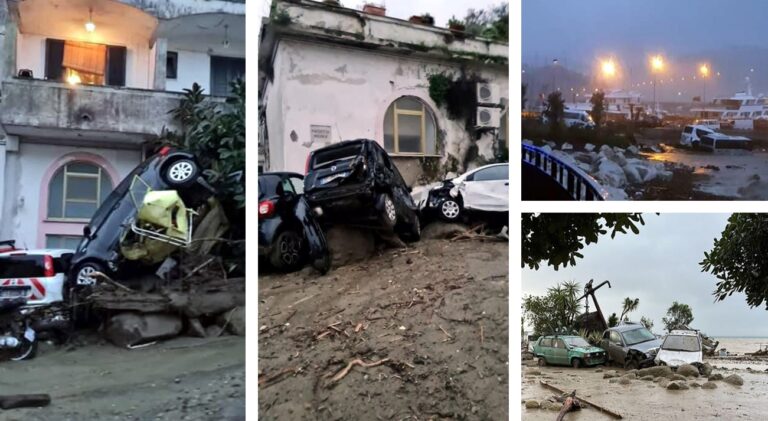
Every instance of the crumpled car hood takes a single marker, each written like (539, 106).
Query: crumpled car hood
(678, 358)
(589, 350)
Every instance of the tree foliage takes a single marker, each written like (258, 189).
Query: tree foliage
(491, 23)
(215, 133)
(598, 107)
(629, 305)
(678, 316)
(555, 109)
(554, 312)
(648, 323)
(558, 238)
(613, 320)
(738, 259)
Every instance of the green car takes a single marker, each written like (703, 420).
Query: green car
(568, 350)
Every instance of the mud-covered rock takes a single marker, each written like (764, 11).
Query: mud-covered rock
(677, 385)
(695, 384)
(127, 329)
(532, 404)
(348, 245)
(688, 370)
(677, 377)
(734, 379)
(441, 230)
(705, 369)
(610, 374)
(626, 379)
(715, 377)
(549, 405)
(709, 385)
(658, 371)
(647, 378)
(234, 321)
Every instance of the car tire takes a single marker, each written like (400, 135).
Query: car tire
(576, 363)
(80, 312)
(286, 251)
(388, 212)
(322, 264)
(542, 362)
(27, 351)
(180, 172)
(413, 233)
(449, 210)
(632, 364)
(695, 144)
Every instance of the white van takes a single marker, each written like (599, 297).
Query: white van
(575, 118)
(37, 275)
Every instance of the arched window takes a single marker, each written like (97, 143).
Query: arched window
(409, 128)
(76, 191)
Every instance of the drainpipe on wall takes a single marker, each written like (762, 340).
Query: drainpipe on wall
(161, 53)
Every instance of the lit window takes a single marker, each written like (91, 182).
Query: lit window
(76, 191)
(409, 128)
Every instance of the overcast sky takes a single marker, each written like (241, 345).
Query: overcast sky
(658, 266)
(441, 10)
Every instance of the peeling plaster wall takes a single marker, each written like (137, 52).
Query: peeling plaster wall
(192, 67)
(350, 90)
(169, 9)
(25, 169)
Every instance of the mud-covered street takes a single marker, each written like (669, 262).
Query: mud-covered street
(180, 379)
(430, 322)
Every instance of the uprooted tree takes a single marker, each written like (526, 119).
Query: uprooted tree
(558, 238)
(738, 259)
(554, 312)
(629, 305)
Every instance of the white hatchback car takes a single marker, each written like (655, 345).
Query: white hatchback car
(37, 275)
(483, 189)
(692, 134)
(680, 347)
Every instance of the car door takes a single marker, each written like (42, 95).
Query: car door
(487, 189)
(616, 347)
(560, 352)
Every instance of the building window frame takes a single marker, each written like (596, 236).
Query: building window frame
(423, 114)
(64, 195)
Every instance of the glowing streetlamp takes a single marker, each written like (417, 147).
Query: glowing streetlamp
(609, 68)
(90, 26)
(657, 66)
(704, 72)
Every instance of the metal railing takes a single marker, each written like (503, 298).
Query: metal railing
(574, 180)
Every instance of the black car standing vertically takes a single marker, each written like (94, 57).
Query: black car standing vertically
(356, 183)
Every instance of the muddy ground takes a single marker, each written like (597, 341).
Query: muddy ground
(179, 379)
(436, 313)
(646, 399)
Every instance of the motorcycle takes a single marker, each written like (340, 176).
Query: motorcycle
(18, 340)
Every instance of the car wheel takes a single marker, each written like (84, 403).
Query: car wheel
(576, 363)
(450, 210)
(695, 144)
(27, 350)
(413, 233)
(180, 172)
(388, 211)
(542, 362)
(322, 264)
(286, 252)
(632, 364)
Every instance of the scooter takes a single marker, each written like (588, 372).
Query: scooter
(17, 337)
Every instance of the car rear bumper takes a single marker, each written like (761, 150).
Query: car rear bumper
(344, 203)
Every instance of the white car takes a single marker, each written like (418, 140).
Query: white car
(680, 347)
(710, 124)
(482, 189)
(574, 118)
(692, 134)
(37, 275)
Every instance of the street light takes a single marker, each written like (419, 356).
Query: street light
(657, 66)
(609, 68)
(704, 72)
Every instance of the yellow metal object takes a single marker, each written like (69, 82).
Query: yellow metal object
(165, 209)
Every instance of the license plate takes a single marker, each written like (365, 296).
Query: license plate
(14, 292)
(326, 180)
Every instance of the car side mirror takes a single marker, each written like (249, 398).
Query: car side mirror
(87, 232)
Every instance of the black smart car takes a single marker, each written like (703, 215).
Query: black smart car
(288, 232)
(98, 251)
(356, 183)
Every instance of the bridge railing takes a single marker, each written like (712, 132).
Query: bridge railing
(578, 184)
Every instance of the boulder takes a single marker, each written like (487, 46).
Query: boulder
(677, 377)
(647, 378)
(633, 175)
(566, 147)
(633, 150)
(677, 385)
(688, 370)
(585, 167)
(126, 329)
(589, 147)
(551, 144)
(715, 377)
(610, 173)
(532, 404)
(619, 158)
(610, 374)
(709, 385)
(546, 148)
(625, 380)
(564, 156)
(234, 320)
(552, 406)
(584, 157)
(657, 371)
(734, 379)
(195, 328)
(695, 384)
(705, 369)
(213, 331)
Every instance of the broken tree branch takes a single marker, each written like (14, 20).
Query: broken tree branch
(597, 407)
(271, 379)
(571, 404)
(341, 374)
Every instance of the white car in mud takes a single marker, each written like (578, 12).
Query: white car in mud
(693, 133)
(482, 189)
(680, 347)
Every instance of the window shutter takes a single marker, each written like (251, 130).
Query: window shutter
(54, 57)
(116, 65)
(223, 71)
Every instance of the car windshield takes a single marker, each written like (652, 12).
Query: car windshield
(114, 198)
(337, 154)
(681, 343)
(637, 336)
(577, 342)
(268, 185)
